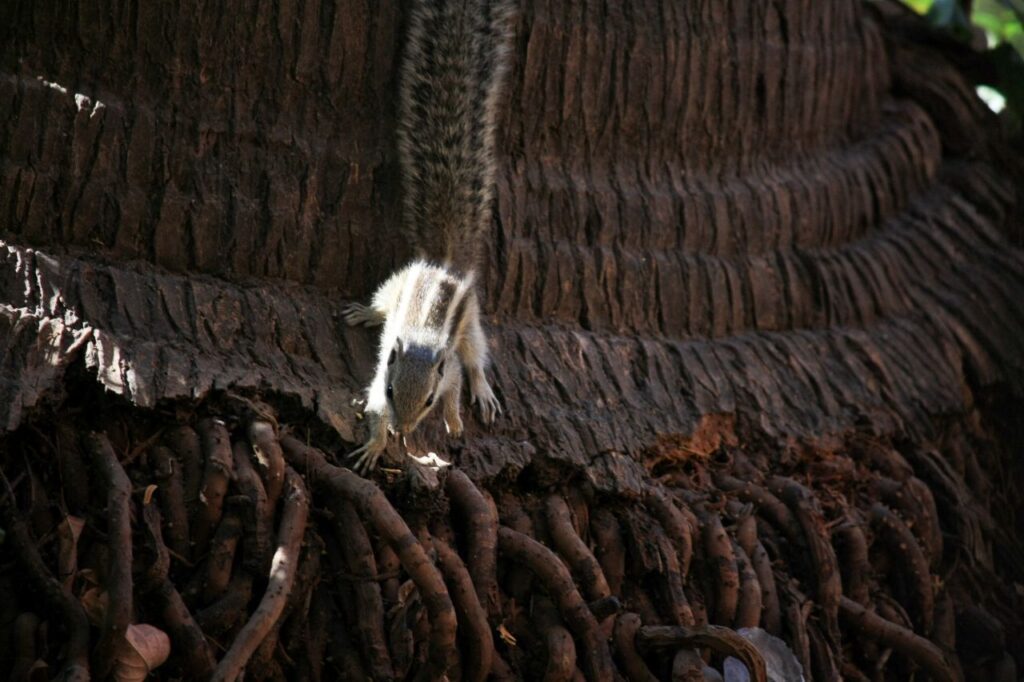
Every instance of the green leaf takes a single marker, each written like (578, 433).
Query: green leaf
(1015, 6)
(989, 21)
(920, 6)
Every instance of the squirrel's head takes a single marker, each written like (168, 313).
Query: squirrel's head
(413, 379)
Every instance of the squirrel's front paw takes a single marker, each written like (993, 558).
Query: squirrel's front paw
(486, 401)
(357, 313)
(366, 455)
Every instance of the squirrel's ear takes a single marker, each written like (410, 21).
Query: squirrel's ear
(439, 359)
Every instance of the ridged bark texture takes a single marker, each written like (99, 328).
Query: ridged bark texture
(705, 207)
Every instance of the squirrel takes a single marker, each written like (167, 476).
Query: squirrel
(455, 62)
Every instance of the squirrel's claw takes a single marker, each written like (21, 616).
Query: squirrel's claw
(488, 405)
(365, 460)
(483, 396)
(453, 425)
(365, 457)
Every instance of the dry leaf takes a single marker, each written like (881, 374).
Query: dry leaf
(68, 532)
(89, 576)
(431, 459)
(39, 672)
(94, 601)
(144, 648)
(506, 636)
(406, 591)
(147, 497)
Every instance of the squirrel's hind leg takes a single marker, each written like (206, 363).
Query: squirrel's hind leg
(453, 406)
(472, 350)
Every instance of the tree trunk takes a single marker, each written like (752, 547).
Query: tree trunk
(742, 252)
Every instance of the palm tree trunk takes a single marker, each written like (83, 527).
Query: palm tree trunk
(743, 252)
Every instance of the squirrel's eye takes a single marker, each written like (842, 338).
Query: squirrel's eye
(390, 392)
(430, 400)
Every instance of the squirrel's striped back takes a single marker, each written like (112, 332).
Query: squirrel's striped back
(428, 305)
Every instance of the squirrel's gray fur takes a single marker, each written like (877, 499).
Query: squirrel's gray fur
(455, 60)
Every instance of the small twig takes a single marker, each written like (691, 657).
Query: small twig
(141, 447)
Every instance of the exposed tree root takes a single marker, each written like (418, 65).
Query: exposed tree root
(676, 527)
(482, 539)
(767, 504)
(688, 666)
(719, 639)
(167, 472)
(118, 584)
(184, 441)
(373, 506)
(271, 461)
(748, 610)
(771, 616)
(816, 537)
(572, 548)
(258, 519)
(911, 561)
(221, 557)
(722, 561)
(609, 547)
(226, 612)
(558, 583)
(358, 554)
(561, 663)
(920, 650)
(74, 481)
(479, 649)
(216, 476)
(393, 602)
(856, 568)
(679, 605)
(282, 576)
(626, 627)
(795, 611)
(76, 664)
(186, 635)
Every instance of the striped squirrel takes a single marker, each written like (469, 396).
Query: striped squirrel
(455, 61)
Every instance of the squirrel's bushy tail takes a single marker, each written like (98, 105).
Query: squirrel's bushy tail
(456, 57)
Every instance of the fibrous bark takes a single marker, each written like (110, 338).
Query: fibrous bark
(733, 240)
